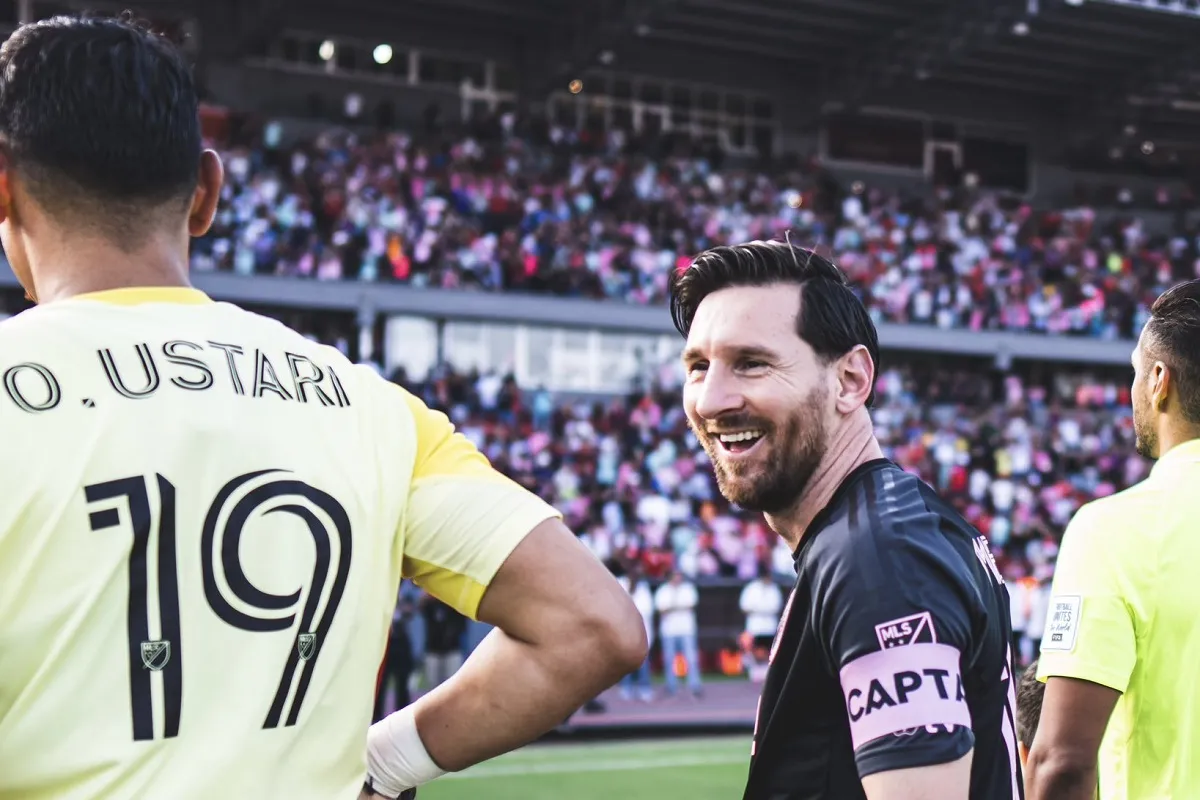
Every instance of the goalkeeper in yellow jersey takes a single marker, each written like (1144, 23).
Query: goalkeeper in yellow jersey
(207, 516)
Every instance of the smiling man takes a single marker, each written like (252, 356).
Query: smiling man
(891, 675)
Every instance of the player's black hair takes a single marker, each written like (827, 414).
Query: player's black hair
(1174, 338)
(101, 118)
(1029, 704)
(832, 320)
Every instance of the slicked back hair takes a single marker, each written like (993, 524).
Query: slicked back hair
(100, 117)
(1173, 333)
(832, 320)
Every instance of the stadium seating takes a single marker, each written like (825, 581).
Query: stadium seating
(581, 215)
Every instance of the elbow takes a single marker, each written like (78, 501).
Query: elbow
(618, 637)
(1060, 773)
(627, 638)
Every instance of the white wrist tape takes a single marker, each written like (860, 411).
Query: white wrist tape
(396, 757)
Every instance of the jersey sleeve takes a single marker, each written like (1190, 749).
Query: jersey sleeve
(1089, 631)
(463, 518)
(896, 627)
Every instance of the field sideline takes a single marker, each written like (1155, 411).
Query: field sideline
(631, 770)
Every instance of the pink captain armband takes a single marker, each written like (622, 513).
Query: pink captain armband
(902, 688)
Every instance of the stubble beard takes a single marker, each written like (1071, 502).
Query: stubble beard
(1145, 438)
(774, 482)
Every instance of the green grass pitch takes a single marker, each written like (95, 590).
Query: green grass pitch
(628, 770)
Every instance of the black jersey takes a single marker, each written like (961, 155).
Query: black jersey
(893, 650)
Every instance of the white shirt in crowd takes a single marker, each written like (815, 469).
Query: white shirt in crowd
(676, 606)
(644, 601)
(1019, 605)
(1039, 606)
(761, 602)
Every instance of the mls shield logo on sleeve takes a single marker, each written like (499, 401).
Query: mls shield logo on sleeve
(913, 629)
(156, 654)
(306, 645)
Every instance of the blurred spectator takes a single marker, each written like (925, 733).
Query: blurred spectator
(636, 584)
(676, 602)
(762, 602)
(1040, 591)
(398, 663)
(444, 629)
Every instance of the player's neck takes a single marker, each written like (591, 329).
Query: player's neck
(1171, 436)
(83, 265)
(852, 445)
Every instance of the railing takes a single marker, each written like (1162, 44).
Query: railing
(369, 300)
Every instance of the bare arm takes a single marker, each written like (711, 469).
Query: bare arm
(566, 631)
(1062, 762)
(951, 781)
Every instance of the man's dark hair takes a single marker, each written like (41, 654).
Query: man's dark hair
(101, 118)
(1173, 333)
(831, 319)
(1029, 704)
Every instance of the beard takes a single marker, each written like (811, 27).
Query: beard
(1145, 437)
(790, 453)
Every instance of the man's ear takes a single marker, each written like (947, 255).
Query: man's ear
(1160, 385)
(856, 378)
(208, 193)
(5, 186)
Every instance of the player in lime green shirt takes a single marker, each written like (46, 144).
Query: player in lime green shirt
(1121, 713)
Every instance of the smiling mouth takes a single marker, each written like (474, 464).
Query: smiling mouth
(739, 442)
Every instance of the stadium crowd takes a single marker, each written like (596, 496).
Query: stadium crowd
(585, 214)
(1016, 456)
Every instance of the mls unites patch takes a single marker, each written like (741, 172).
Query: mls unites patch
(1062, 623)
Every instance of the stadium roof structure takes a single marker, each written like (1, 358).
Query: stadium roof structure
(1104, 66)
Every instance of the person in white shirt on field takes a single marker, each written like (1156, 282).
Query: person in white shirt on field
(639, 588)
(761, 602)
(676, 604)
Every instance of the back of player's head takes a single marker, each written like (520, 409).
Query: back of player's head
(832, 319)
(1029, 704)
(100, 119)
(1172, 334)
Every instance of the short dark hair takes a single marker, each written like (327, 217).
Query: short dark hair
(101, 117)
(1174, 330)
(1029, 704)
(832, 319)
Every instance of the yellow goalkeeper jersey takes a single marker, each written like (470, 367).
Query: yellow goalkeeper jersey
(205, 522)
(1123, 614)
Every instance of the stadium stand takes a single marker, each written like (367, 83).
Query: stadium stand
(594, 217)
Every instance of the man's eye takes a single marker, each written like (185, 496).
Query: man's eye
(753, 364)
(698, 367)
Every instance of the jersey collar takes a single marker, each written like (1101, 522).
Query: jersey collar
(137, 295)
(821, 520)
(1185, 451)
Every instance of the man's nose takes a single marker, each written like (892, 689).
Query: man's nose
(717, 394)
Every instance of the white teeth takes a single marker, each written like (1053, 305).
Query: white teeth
(744, 436)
